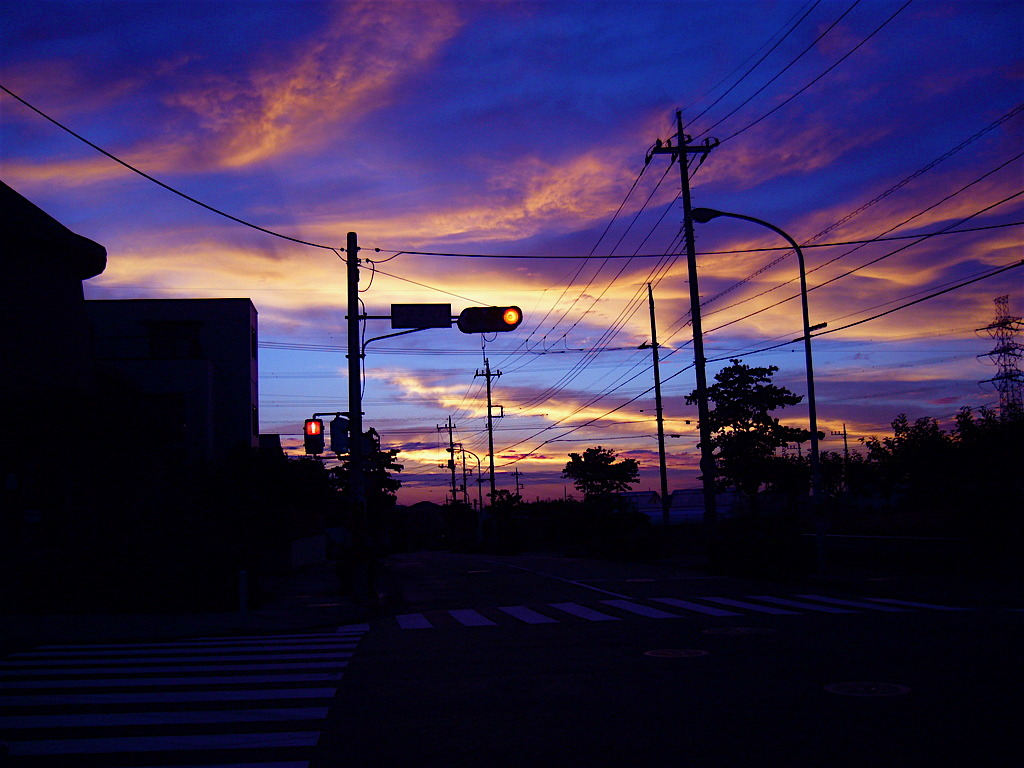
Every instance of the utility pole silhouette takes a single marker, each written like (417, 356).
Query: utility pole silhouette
(1009, 381)
(681, 152)
(659, 411)
(451, 456)
(488, 374)
(846, 455)
(365, 577)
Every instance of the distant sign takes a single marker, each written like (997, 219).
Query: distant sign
(421, 315)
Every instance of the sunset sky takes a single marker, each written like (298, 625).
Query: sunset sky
(512, 137)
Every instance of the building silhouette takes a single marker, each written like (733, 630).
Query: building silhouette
(186, 370)
(117, 416)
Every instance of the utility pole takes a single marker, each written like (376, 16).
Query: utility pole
(465, 486)
(660, 414)
(451, 456)
(488, 374)
(518, 484)
(357, 479)
(681, 152)
(846, 455)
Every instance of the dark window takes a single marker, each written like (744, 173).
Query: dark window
(174, 340)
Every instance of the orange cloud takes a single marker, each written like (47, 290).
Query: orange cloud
(351, 69)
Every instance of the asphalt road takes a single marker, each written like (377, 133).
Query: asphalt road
(541, 661)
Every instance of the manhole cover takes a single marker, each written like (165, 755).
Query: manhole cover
(676, 653)
(867, 689)
(738, 631)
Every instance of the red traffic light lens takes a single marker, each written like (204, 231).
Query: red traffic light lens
(314, 427)
(512, 316)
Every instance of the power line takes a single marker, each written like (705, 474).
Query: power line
(207, 206)
(843, 58)
(756, 351)
(765, 249)
(782, 71)
(156, 181)
(756, 64)
(919, 239)
(998, 271)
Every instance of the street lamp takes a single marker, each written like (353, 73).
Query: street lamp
(703, 216)
(480, 494)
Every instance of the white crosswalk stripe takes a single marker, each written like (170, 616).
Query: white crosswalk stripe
(748, 606)
(854, 603)
(908, 604)
(667, 608)
(201, 702)
(641, 610)
(689, 605)
(801, 604)
(583, 612)
(528, 615)
(470, 618)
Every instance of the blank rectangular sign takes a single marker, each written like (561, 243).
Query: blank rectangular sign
(421, 315)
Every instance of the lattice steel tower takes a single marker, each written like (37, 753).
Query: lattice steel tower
(1009, 381)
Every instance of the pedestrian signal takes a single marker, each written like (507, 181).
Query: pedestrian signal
(339, 435)
(313, 436)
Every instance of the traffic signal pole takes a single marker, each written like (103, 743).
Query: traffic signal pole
(357, 479)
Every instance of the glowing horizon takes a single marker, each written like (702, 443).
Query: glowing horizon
(490, 128)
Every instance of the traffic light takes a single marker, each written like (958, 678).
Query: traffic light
(313, 436)
(339, 435)
(489, 319)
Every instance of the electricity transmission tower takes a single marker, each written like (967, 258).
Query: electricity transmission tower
(1009, 381)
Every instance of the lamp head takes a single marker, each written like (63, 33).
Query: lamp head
(704, 215)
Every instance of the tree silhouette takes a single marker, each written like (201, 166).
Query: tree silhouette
(743, 431)
(597, 475)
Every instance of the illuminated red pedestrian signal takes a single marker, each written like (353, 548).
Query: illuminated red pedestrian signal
(313, 436)
(489, 319)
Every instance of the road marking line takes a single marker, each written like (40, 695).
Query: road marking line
(354, 629)
(136, 682)
(164, 743)
(559, 578)
(317, 639)
(55, 699)
(583, 612)
(98, 719)
(687, 605)
(642, 610)
(932, 606)
(242, 651)
(749, 606)
(148, 670)
(523, 613)
(413, 621)
(84, 663)
(854, 603)
(470, 618)
(799, 604)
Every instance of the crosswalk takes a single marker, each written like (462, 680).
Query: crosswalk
(211, 702)
(658, 608)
